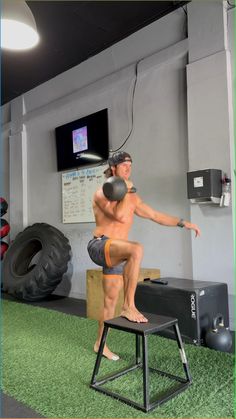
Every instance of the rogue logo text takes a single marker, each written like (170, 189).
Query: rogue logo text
(193, 306)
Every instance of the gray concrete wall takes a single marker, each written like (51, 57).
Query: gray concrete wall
(38, 112)
(160, 145)
(210, 135)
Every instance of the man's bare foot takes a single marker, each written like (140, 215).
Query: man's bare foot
(133, 315)
(106, 352)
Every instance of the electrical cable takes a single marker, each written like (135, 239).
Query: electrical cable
(132, 107)
(186, 21)
(133, 94)
(232, 6)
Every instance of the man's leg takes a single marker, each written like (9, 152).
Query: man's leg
(111, 287)
(131, 252)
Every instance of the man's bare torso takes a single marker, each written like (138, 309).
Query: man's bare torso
(107, 226)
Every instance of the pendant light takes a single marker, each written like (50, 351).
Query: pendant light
(18, 27)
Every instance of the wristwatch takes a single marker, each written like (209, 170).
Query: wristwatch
(181, 223)
(132, 190)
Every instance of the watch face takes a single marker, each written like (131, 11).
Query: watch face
(181, 223)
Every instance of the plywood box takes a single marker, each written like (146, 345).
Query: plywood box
(95, 294)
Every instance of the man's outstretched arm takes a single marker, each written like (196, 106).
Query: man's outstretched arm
(145, 211)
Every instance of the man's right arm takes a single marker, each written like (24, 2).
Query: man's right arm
(115, 210)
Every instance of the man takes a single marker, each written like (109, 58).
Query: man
(111, 248)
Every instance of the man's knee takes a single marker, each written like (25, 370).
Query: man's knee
(137, 250)
(110, 299)
(112, 289)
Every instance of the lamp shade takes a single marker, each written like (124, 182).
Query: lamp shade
(18, 27)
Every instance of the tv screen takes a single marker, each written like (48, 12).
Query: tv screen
(83, 142)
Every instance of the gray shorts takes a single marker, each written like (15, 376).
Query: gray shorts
(98, 249)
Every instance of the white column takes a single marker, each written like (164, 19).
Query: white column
(18, 202)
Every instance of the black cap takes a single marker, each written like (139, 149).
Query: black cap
(119, 157)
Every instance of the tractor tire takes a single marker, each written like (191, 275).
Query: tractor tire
(3, 248)
(35, 262)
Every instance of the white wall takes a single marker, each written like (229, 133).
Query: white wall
(210, 135)
(44, 203)
(159, 145)
(159, 148)
(42, 109)
(231, 47)
(4, 166)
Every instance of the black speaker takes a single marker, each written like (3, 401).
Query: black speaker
(193, 303)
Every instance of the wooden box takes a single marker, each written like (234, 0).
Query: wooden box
(94, 291)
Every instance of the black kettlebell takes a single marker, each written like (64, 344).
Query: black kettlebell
(219, 336)
(115, 188)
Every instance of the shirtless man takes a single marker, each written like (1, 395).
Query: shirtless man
(111, 249)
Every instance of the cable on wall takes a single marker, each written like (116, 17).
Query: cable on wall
(186, 21)
(184, 10)
(133, 94)
(231, 6)
(132, 109)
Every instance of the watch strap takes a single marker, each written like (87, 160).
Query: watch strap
(180, 223)
(132, 190)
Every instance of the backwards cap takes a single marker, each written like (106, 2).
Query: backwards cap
(119, 157)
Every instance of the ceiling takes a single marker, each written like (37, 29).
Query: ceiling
(71, 32)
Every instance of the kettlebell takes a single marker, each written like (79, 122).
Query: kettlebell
(115, 188)
(219, 336)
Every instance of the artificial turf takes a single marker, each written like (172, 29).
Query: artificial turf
(48, 363)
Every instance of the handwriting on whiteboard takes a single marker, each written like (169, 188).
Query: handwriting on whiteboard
(78, 188)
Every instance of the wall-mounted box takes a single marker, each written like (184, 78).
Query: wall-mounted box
(205, 186)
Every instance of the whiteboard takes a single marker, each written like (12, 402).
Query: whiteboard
(78, 188)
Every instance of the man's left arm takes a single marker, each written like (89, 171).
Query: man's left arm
(145, 211)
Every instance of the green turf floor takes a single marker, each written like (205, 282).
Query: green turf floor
(48, 363)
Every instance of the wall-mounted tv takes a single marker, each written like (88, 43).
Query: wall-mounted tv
(83, 142)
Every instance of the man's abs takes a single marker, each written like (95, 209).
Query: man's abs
(113, 230)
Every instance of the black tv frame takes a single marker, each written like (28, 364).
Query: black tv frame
(98, 142)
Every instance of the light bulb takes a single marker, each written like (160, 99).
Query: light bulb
(18, 27)
(17, 36)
